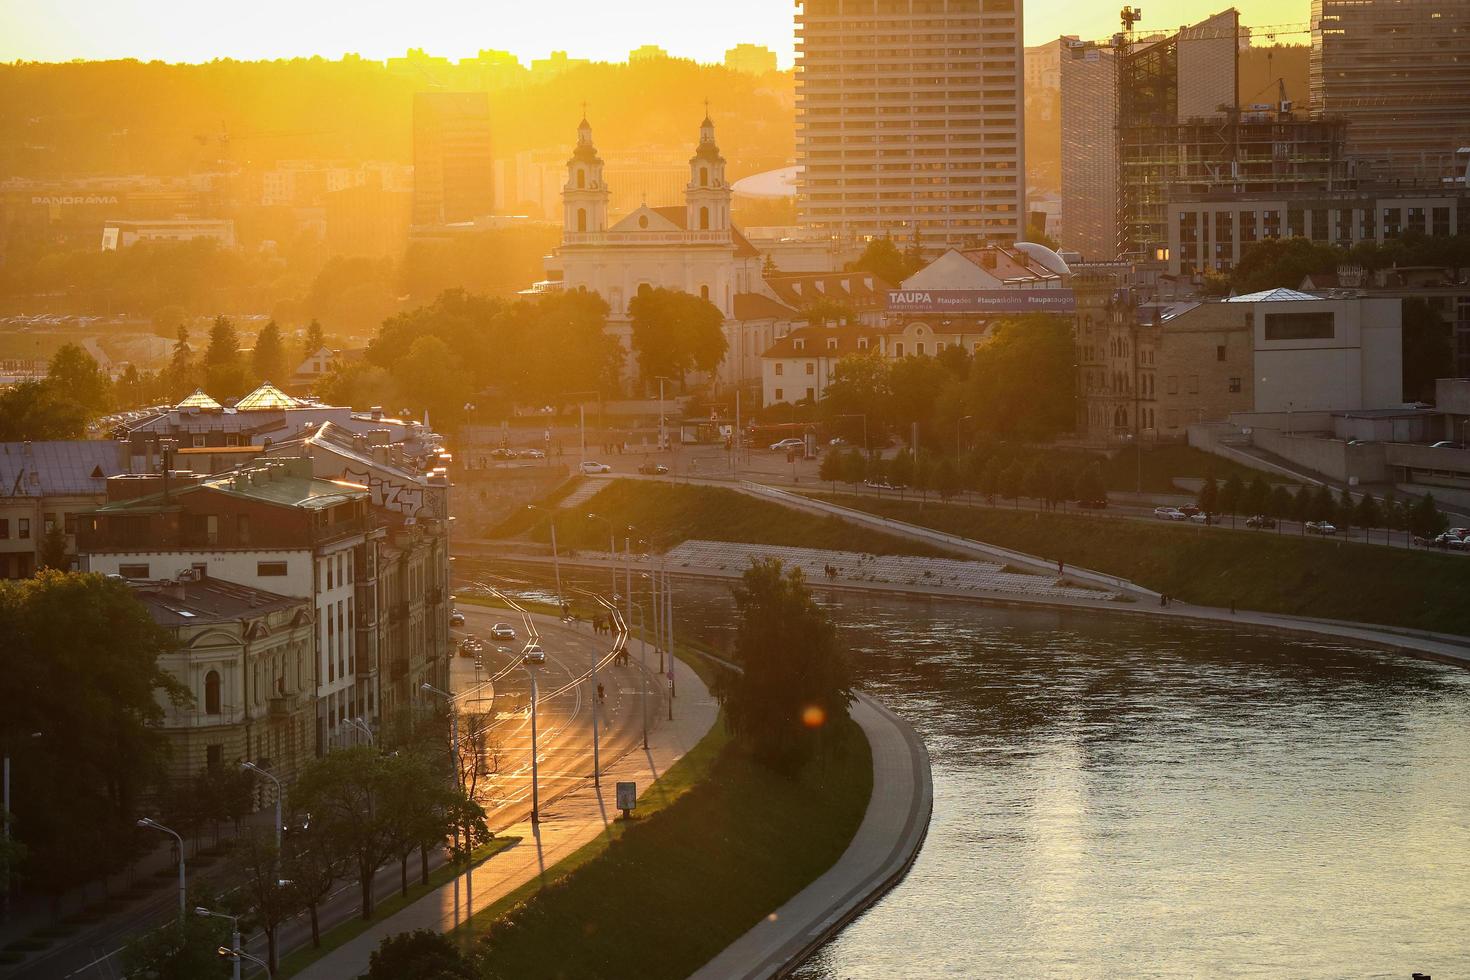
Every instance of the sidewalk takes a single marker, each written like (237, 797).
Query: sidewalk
(885, 845)
(566, 825)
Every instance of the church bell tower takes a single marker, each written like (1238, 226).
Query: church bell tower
(707, 196)
(585, 196)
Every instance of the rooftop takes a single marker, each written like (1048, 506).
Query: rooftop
(1280, 295)
(206, 600)
(42, 469)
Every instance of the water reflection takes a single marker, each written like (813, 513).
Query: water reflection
(1119, 797)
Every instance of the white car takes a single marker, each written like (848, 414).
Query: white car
(1321, 527)
(785, 444)
(533, 654)
(591, 468)
(1169, 514)
(502, 631)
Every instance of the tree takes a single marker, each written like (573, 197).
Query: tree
(347, 792)
(1257, 493)
(173, 953)
(73, 371)
(257, 866)
(1231, 496)
(1393, 516)
(1209, 495)
(1425, 519)
(80, 663)
(674, 332)
(854, 467)
(1021, 383)
(39, 411)
(314, 339)
(1012, 480)
(883, 259)
(268, 359)
(1089, 485)
(990, 478)
(1344, 512)
(860, 385)
(53, 549)
(1301, 507)
(795, 681)
(1323, 504)
(182, 374)
(901, 469)
(431, 380)
(419, 955)
(1035, 481)
(1281, 262)
(314, 864)
(831, 467)
(1281, 505)
(224, 371)
(167, 320)
(946, 478)
(1369, 516)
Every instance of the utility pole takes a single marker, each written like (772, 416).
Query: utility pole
(669, 636)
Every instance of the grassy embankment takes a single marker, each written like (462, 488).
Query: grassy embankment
(1161, 464)
(719, 842)
(665, 514)
(1262, 570)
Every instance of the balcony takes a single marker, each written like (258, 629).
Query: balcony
(284, 705)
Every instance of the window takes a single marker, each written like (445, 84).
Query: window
(4, 528)
(811, 368)
(704, 219)
(1171, 384)
(780, 395)
(898, 349)
(1193, 384)
(1299, 326)
(811, 394)
(133, 571)
(862, 343)
(69, 523)
(581, 178)
(831, 343)
(704, 293)
(267, 569)
(211, 693)
(1220, 352)
(48, 522)
(1235, 386)
(330, 565)
(919, 348)
(581, 219)
(23, 528)
(780, 369)
(197, 442)
(703, 176)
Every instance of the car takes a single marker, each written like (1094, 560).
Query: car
(502, 631)
(1189, 510)
(652, 469)
(470, 646)
(591, 468)
(531, 454)
(785, 444)
(533, 654)
(1321, 527)
(837, 442)
(1261, 521)
(502, 453)
(456, 618)
(1446, 444)
(1201, 518)
(1449, 540)
(1169, 514)
(1460, 532)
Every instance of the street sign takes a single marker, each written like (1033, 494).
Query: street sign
(627, 797)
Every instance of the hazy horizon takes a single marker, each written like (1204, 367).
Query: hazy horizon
(175, 31)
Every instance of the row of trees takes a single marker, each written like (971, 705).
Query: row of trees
(1009, 476)
(1018, 385)
(1418, 516)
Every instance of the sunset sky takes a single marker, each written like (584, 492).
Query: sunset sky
(186, 30)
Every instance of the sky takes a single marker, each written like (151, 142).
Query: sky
(604, 30)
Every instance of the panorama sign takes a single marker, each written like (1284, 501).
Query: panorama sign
(981, 301)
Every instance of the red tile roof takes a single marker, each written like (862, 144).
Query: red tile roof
(815, 341)
(756, 306)
(860, 290)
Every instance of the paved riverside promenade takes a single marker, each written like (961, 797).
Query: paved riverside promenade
(885, 845)
(567, 824)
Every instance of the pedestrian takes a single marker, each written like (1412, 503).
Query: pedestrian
(1059, 566)
(1232, 607)
(1163, 600)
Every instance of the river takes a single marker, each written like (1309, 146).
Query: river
(1121, 797)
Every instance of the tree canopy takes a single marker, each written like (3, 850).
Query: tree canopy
(674, 333)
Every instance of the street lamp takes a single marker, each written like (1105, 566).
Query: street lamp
(362, 726)
(238, 954)
(555, 559)
(280, 793)
(643, 665)
(662, 436)
(535, 775)
(204, 913)
(151, 824)
(449, 699)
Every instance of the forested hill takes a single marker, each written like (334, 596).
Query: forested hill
(109, 117)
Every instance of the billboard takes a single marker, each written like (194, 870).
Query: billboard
(981, 301)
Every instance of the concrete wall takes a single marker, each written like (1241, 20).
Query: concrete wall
(1332, 458)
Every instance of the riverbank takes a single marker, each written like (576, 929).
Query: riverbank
(673, 889)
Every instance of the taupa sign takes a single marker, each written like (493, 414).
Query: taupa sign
(981, 301)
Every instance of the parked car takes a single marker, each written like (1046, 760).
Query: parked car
(1201, 518)
(456, 618)
(1321, 527)
(1446, 444)
(785, 444)
(591, 468)
(531, 454)
(1261, 521)
(1449, 540)
(470, 647)
(502, 631)
(1189, 510)
(502, 453)
(1169, 514)
(837, 442)
(652, 469)
(533, 654)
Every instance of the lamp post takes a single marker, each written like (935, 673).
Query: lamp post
(5, 836)
(362, 726)
(612, 550)
(238, 954)
(449, 699)
(555, 559)
(151, 824)
(235, 949)
(280, 794)
(662, 434)
(643, 665)
(535, 781)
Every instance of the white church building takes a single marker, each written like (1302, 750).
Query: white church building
(692, 247)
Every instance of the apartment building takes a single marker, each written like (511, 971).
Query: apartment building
(909, 119)
(453, 170)
(45, 485)
(1399, 72)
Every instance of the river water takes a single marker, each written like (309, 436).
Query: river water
(1124, 798)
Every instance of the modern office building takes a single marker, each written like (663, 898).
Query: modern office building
(752, 59)
(1089, 143)
(909, 119)
(453, 172)
(1399, 71)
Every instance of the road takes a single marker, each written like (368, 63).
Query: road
(498, 694)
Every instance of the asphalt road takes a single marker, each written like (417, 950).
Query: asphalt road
(497, 695)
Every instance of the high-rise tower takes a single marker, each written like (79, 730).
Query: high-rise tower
(909, 119)
(453, 171)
